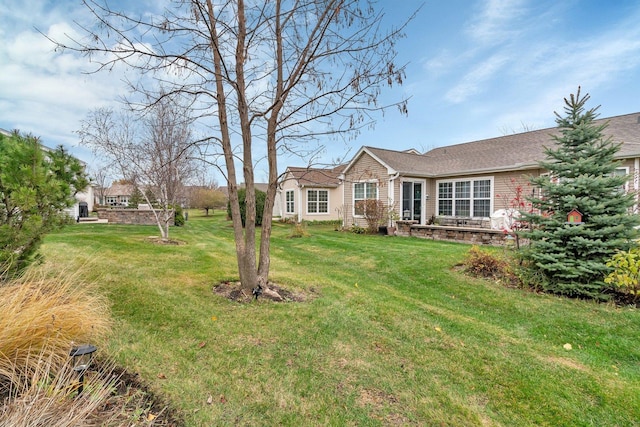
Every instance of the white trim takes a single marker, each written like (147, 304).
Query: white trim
(353, 194)
(299, 210)
(318, 201)
(365, 149)
(636, 181)
(293, 201)
(626, 173)
(423, 201)
(471, 180)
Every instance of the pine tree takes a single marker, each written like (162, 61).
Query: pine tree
(35, 187)
(581, 176)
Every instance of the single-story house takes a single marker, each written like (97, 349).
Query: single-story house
(462, 184)
(117, 195)
(468, 181)
(312, 194)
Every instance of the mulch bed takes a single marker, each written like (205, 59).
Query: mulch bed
(233, 291)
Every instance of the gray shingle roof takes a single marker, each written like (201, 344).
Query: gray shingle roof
(511, 152)
(316, 177)
(119, 190)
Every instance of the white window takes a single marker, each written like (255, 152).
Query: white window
(111, 200)
(468, 198)
(290, 205)
(317, 201)
(363, 191)
(622, 171)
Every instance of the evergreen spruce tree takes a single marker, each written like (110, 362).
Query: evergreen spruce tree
(581, 176)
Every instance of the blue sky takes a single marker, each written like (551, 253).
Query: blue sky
(476, 69)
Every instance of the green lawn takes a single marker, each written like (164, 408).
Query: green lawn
(395, 336)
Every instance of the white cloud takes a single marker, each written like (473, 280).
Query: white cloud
(474, 81)
(495, 22)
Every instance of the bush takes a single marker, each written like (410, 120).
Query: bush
(299, 230)
(356, 229)
(375, 213)
(178, 218)
(260, 199)
(489, 265)
(625, 277)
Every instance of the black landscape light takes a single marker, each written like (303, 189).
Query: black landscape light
(82, 357)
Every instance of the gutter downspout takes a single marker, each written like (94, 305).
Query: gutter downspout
(636, 181)
(392, 196)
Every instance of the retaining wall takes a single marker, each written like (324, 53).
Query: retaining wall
(128, 216)
(470, 235)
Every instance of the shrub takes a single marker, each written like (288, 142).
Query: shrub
(625, 277)
(375, 213)
(260, 199)
(490, 265)
(356, 229)
(299, 230)
(178, 217)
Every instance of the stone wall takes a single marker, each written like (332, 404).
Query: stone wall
(128, 216)
(474, 236)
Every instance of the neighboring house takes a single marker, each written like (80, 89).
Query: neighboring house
(311, 194)
(466, 181)
(118, 195)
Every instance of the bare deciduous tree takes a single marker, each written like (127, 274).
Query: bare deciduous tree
(266, 76)
(152, 152)
(99, 176)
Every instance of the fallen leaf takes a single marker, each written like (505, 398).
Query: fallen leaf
(202, 344)
(151, 417)
(214, 318)
(567, 346)
(209, 400)
(439, 329)
(162, 376)
(223, 399)
(356, 285)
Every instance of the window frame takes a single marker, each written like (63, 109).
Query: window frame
(461, 194)
(290, 205)
(625, 169)
(317, 202)
(353, 195)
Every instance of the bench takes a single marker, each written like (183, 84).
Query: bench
(460, 222)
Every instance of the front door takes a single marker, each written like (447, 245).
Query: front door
(412, 201)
